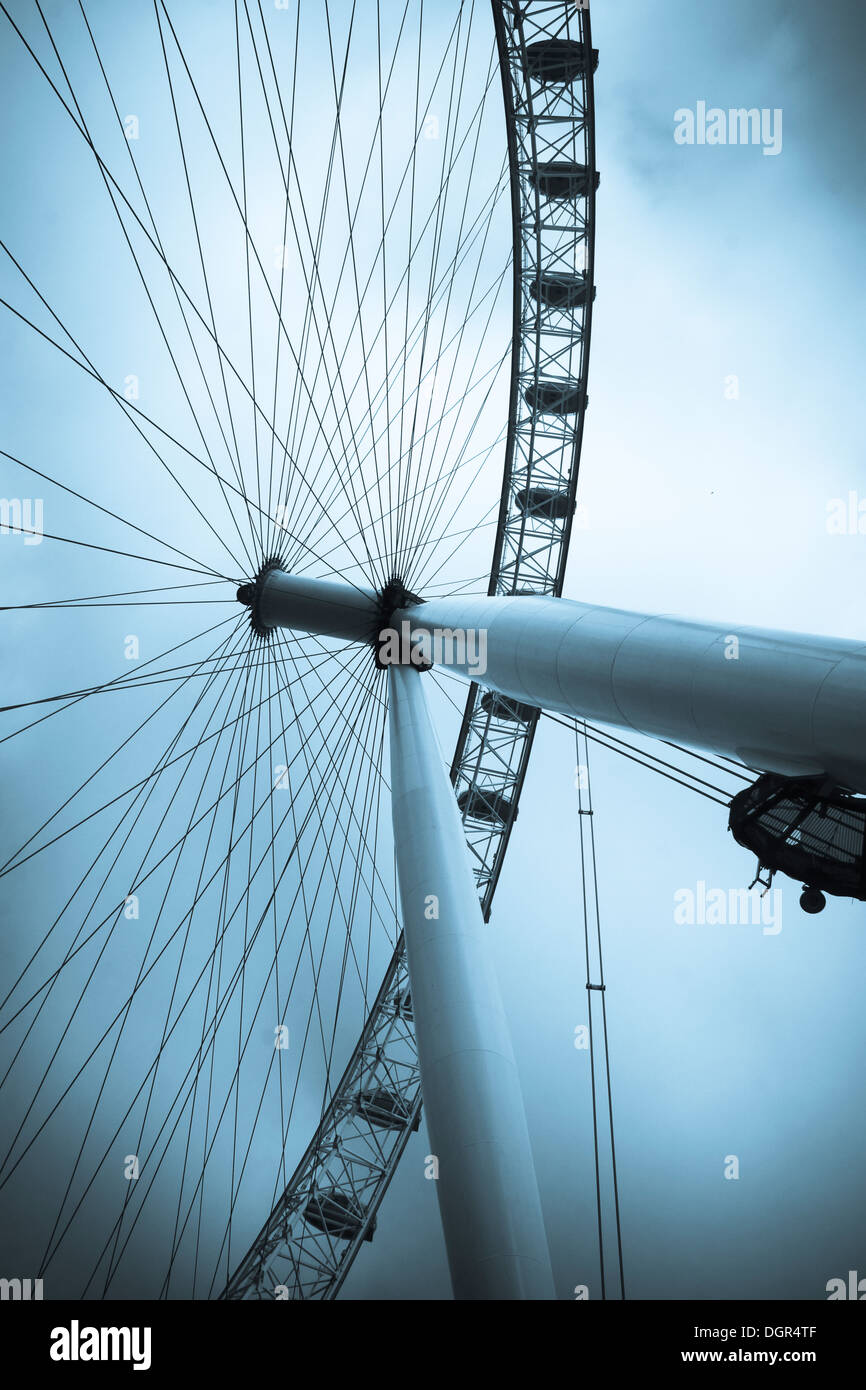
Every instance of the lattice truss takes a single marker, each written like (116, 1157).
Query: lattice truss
(548, 61)
(307, 1246)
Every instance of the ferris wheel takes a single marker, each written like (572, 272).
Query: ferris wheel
(328, 340)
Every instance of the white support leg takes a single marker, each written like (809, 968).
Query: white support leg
(488, 1196)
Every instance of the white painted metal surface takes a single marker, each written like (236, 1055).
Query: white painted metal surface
(328, 607)
(488, 1196)
(778, 701)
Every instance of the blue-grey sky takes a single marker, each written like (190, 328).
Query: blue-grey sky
(723, 424)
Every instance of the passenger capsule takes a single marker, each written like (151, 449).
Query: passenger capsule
(556, 61)
(561, 179)
(483, 803)
(554, 397)
(544, 502)
(337, 1214)
(383, 1108)
(814, 835)
(560, 290)
(499, 707)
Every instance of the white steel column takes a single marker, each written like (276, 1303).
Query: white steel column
(778, 701)
(488, 1197)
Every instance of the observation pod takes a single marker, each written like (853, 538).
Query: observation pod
(562, 179)
(545, 503)
(385, 1109)
(337, 1214)
(482, 803)
(560, 289)
(514, 710)
(558, 61)
(809, 830)
(403, 1004)
(554, 397)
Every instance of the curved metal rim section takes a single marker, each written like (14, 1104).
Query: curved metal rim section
(479, 745)
(491, 753)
